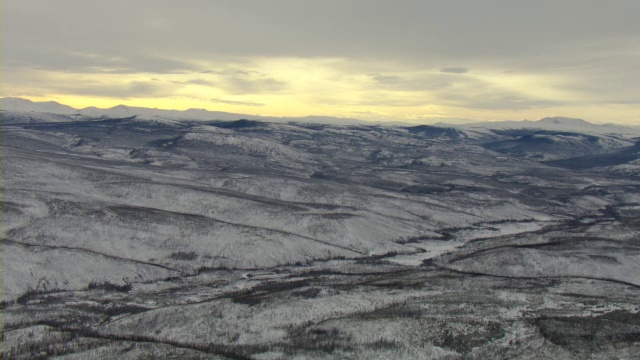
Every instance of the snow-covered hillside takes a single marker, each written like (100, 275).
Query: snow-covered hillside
(23, 105)
(139, 235)
(553, 124)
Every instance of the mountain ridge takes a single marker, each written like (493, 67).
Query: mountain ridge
(16, 104)
(21, 105)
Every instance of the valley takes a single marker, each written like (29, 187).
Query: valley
(250, 239)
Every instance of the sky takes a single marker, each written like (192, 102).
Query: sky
(385, 60)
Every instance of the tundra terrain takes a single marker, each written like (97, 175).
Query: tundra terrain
(136, 238)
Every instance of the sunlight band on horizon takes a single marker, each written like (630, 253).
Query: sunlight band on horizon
(296, 87)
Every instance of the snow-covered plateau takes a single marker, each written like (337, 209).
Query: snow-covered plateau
(136, 234)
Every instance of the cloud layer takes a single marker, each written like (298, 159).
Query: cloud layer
(409, 59)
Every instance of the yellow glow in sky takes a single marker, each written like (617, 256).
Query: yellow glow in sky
(295, 87)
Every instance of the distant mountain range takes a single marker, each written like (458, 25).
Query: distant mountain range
(556, 123)
(25, 105)
(20, 105)
(14, 104)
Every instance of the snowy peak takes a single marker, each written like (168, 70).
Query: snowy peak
(571, 124)
(556, 123)
(24, 105)
(120, 111)
(142, 113)
(551, 124)
(559, 120)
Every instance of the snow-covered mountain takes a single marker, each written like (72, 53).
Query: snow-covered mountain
(125, 237)
(123, 111)
(552, 124)
(15, 104)
(24, 106)
(19, 105)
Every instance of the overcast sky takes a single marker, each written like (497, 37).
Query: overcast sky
(372, 59)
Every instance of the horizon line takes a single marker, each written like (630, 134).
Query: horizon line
(434, 120)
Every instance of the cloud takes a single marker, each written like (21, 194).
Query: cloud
(94, 62)
(385, 79)
(415, 30)
(505, 102)
(234, 102)
(202, 82)
(234, 72)
(417, 81)
(237, 85)
(406, 54)
(483, 96)
(134, 89)
(455, 70)
(236, 81)
(382, 99)
(364, 113)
